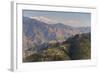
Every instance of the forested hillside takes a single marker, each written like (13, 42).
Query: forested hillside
(76, 47)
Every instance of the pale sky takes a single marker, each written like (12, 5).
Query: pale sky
(68, 18)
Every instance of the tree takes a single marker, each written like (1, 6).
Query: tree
(80, 47)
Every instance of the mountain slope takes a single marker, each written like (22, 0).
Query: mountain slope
(37, 33)
(75, 48)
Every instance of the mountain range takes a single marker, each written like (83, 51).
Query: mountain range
(37, 31)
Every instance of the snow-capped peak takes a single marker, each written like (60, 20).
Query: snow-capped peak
(44, 19)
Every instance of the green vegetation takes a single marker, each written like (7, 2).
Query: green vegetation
(33, 58)
(80, 47)
(54, 55)
(77, 47)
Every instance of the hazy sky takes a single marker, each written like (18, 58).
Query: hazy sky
(68, 18)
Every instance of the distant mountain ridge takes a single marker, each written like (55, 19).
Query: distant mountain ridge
(44, 19)
(36, 32)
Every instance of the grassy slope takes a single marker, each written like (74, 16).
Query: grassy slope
(75, 48)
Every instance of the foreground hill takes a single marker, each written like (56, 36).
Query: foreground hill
(77, 47)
